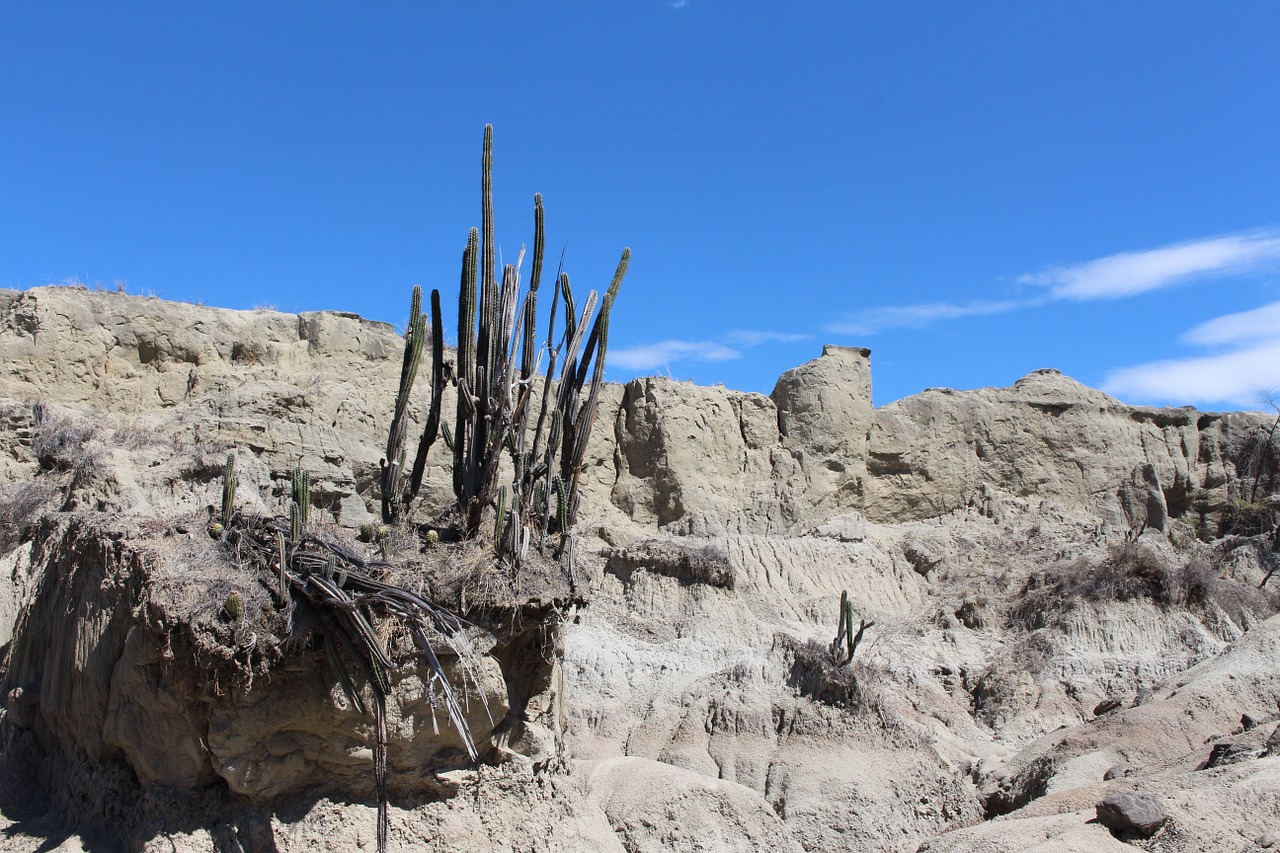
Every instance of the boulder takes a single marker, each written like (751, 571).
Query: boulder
(1132, 812)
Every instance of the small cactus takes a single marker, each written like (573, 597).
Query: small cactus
(301, 492)
(234, 606)
(433, 538)
(229, 483)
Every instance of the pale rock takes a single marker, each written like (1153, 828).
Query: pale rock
(851, 527)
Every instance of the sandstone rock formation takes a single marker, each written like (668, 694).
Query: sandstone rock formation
(1027, 554)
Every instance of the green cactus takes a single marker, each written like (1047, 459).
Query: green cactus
(295, 523)
(499, 521)
(234, 606)
(562, 503)
(850, 643)
(229, 483)
(393, 463)
(301, 493)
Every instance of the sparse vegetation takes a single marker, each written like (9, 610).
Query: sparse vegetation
(498, 359)
(63, 444)
(20, 504)
(348, 593)
(1134, 572)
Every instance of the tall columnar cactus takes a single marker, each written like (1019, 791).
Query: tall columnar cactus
(845, 632)
(432, 428)
(393, 463)
(300, 491)
(229, 483)
(499, 352)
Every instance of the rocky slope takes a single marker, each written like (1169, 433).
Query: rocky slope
(1062, 587)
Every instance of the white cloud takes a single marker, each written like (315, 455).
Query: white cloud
(650, 356)
(873, 320)
(1236, 378)
(756, 337)
(1260, 324)
(1131, 273)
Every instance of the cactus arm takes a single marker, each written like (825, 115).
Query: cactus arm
(432, 428)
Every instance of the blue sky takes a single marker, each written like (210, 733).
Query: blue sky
(972, 190)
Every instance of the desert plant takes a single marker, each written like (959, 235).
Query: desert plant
(62, 444)
(299, 503)
(229, 483)
(845, 632)
(497, 361)
(20, 504)
(497, 358)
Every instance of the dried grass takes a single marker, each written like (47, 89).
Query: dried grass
(1133, 572)
(64, 443)
(20, 507)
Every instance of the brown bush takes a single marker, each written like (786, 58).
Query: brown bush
(63, 444)
(19, 507)
(1133, 572)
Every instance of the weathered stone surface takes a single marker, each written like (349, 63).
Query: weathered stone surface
(1050, 437)
(1229, 752)
(1132, 811)
(706, 563)
(933, 513)
(851, 527)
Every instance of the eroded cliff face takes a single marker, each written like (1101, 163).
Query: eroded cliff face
(666, 455)
(125, 652)
(685, 708)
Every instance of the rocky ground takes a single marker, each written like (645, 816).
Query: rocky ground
(1065, 594)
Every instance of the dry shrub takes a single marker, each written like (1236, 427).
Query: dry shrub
(816, 673)
(1131, 572)
(63, 444)
(19, 508)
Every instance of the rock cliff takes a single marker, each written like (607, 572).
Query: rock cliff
(1026, 555)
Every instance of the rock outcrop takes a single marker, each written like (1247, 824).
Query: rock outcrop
(1024, 556)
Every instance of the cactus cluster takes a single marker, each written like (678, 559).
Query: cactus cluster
(518, 438)
(845, 634)
(300, 504)
(496, 377)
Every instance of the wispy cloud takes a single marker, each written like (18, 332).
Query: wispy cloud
(1260, 324)
(1237, 377)
(921, 315)
(1130, 273)
(756, 337)
(727, 348)
(1111, 277)
(651, 356)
